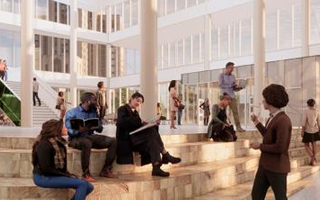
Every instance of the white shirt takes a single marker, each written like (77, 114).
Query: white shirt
(311, 121)
(35, 86)
(272, 116)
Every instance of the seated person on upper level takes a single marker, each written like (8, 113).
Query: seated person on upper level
(219, 128)
(49, 159)
(85, 139)
(147, 142)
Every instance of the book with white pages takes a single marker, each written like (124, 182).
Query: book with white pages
(150, 123)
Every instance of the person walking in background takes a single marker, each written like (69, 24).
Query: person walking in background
(227, 83)
(2, 70)
(174, 102)
(159, 112)
(102, 104)
(35, 88)
(5, 75)
(84, 139)
(274, 164)
(205, 106)
(310, 130)
(180, 110)
(61, 104)
(49, 160)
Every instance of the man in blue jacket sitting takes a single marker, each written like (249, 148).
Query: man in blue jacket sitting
(84, 139)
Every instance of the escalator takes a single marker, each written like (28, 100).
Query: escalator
(10, 104)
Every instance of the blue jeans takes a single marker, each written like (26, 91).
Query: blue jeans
(5, 76)
(83, 188)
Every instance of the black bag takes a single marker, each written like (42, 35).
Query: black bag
(181, 106)
(58, 107)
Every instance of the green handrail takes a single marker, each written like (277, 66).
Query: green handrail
(10, 103)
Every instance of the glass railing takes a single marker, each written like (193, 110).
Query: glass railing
(10, 103)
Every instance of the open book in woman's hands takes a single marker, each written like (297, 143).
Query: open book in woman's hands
(150, 123)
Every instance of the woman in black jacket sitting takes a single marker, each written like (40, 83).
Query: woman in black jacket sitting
(147, 142)
(49, 159)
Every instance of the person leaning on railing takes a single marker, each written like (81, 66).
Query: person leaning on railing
(49, 159)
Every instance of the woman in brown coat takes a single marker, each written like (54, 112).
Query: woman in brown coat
(274, 162)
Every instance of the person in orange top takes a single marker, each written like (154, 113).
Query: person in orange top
(2, 69)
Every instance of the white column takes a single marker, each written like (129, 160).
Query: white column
(109, 64)
(73, 51)
(258, 52)
(305, 27)
(149, 46)
(27, 58)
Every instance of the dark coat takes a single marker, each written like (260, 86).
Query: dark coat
(127, 121)
(275, 146)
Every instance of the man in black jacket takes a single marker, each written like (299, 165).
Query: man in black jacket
(147, 142)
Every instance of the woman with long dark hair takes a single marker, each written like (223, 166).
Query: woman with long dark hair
(49, 159)
(174, 102)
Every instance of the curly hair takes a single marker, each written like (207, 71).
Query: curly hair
(276, 95)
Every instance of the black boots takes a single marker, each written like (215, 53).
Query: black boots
(167, 158)
(157, 171)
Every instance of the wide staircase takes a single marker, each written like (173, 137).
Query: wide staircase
(208, 170)
(40, 113)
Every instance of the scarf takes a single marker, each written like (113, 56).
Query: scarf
(60, 154)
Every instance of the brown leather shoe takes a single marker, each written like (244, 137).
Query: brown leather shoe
(108, 174)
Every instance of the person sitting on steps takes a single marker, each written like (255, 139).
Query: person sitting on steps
(219, 128)
(85, 139)
(147, 142)
(49, 159)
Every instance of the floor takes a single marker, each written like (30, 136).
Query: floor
(309, 193)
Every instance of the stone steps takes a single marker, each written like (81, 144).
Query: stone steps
(184, 182)
(17, 162)
(297, 180)
(16, 141)
(231, 180)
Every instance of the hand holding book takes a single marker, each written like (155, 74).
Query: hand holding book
(154, 121)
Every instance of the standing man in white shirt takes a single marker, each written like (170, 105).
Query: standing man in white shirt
(227, 83)
(35, 88)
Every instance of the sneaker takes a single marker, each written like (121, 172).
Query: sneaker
(156, 171)
(88, 178)
(166, 158)
(108, 174)
(239, 129)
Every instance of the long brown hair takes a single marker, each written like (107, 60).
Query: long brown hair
(50, 129)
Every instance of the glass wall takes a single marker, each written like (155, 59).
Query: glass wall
(189, 50)
(315, 22)
(283, 31)
(52, 11)
(166, 7)
(297, 75)
(53, 54)
(120, 96)
(10, 48)
(124, 15)
(124, 61)
(92, 59)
